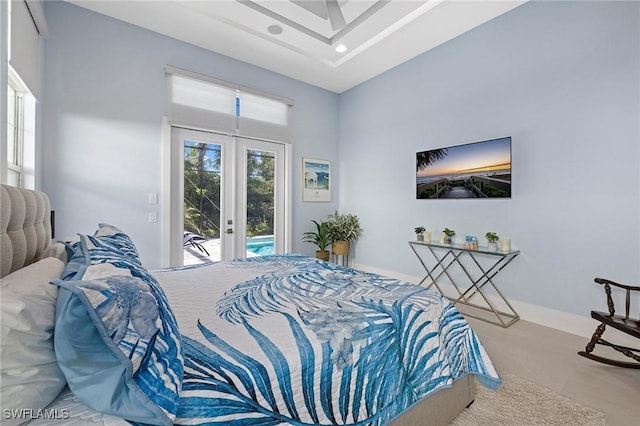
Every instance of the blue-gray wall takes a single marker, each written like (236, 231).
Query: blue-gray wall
(561, 78)
(105, 96)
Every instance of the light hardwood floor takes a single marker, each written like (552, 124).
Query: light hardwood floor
(548, 357)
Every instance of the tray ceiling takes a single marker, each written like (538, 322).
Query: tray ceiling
(299, 38)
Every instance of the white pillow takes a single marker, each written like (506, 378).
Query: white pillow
(57, 250)
(29, 374)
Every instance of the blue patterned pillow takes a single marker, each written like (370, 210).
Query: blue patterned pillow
(108, 243)
(105, 344)
(124, 310)
(115, 238)
(75, 260)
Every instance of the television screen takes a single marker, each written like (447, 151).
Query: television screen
(474, 170)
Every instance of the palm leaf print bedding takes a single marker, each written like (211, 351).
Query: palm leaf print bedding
(289, 339)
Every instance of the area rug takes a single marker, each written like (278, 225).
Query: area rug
(523, 403)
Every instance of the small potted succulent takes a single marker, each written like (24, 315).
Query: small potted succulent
(448, 235)
(419, 230)
(492, 239)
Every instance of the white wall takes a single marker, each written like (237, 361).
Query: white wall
(561, 78)
(105, 96)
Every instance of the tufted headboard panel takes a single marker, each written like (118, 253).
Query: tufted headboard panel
(25, 227)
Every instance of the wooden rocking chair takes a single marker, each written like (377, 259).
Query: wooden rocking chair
(623, 323)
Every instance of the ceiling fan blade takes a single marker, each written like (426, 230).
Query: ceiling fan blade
(317, 7)
(335, 15)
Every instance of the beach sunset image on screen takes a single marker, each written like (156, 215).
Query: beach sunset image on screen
(474, 170)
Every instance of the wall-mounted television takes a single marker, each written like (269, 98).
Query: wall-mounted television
(473, 170)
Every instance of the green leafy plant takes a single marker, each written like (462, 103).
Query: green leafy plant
(319, 237)
(449, 232)
(492, 237)
(343, 227)
(419, 229)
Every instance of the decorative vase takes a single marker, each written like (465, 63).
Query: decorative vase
(492, 246)
(448, 240)
(322, 255)
(420, 237)
(340, 248)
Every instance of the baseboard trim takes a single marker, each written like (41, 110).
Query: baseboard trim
(559, 320)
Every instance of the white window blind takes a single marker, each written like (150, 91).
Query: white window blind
(25, 53)
(206, 102)
(263, 117)
(199, 103)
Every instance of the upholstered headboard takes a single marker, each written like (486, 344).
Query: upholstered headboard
(25, 227)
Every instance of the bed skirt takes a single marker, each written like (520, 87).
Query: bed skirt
(442, 407)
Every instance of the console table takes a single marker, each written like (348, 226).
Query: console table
(448, 256)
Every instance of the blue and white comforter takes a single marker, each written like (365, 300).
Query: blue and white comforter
(290, 339)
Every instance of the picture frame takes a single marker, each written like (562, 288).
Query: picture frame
(316, 180)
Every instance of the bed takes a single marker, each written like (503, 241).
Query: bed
(90, 336)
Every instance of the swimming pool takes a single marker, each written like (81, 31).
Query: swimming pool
(262, 245)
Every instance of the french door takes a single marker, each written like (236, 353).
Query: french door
(228, 197)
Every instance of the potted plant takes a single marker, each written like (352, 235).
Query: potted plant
(492, 239)
(419, 230)
(343, 228)
(319, 237)
(449, 233)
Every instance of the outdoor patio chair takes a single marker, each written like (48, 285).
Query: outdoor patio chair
(194, 240)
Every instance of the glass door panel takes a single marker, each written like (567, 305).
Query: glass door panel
(228, 197)
(261, 183)
(202, 201)
(260, 202)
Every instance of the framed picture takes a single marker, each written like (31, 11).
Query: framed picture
(316, 176)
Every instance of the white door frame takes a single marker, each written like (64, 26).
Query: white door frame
(227, 189)
(172, 213)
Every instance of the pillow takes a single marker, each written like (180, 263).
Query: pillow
(57, 250)
(115, 238)
(29, 374)
(75, 259)
(107, 244)
(116, 339)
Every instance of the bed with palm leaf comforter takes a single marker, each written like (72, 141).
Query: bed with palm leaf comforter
(90, 336)
(291, 339)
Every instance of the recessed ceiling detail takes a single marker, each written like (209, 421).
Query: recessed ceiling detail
(380, 34)
(326, 9)
(330, 27)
